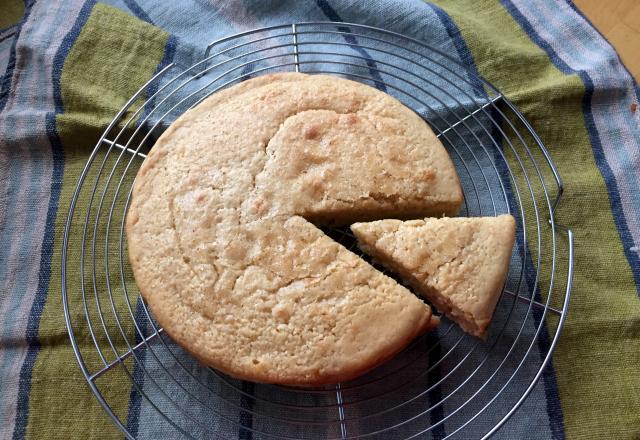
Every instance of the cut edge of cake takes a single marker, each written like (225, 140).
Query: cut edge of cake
(464, 287)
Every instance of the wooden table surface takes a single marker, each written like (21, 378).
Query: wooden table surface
(619, 21)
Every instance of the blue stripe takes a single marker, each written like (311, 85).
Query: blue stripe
(245, 73)
(138, 11)
(33, 325)
(167, 58)
(436, 415)
(596, 145)
(135, 398)
(553, 407)
(169, 53)
(246, 417)
(7, 80)
(549, 381)
(9, 31)
(461, 48)
(332, 15)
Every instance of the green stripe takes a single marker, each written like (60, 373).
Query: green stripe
(598, 355)
(11, 12)
(113, 56)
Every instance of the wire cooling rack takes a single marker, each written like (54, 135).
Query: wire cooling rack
(446, 383)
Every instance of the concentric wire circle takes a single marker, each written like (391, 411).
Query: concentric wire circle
(445, 384)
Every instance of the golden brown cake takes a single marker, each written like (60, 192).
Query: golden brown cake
(459, 264)
(221, 235)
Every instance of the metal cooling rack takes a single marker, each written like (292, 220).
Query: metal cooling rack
(445, 384)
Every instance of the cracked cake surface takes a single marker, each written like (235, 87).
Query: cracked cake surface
(222, 229)
(459, 264)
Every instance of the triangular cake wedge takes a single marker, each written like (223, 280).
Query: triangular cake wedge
(459, 264)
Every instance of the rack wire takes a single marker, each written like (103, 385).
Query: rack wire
(445, 384)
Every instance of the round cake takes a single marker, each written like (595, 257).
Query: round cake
(222, 227)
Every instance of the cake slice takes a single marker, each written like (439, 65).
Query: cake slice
(459, 264)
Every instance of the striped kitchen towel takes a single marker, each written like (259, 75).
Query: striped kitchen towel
(67, 67)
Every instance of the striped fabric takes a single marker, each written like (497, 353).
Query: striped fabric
(68, 66)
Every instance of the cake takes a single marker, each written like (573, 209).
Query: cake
(223, 235)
